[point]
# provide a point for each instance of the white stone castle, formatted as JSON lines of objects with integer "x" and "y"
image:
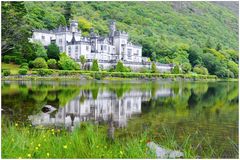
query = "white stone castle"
{"x": 107, "y": 50}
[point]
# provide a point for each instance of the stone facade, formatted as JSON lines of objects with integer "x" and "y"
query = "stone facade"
{"x": 107, "y": 50}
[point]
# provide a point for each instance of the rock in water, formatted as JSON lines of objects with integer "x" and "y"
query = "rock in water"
{"x": 164, "y": 153}
{"x": 48, "y": 109}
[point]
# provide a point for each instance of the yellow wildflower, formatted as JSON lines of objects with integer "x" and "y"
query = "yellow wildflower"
{"x": 16, "y": 124}
{"x": 52, "y": 130}
{"x": 29, "y": 155}
{"x": 65, "y": 146}
{"x": 36, "y": 148}
{"x": 48, "y": 154}
{"x": 39, "y": 145}
{"x": 121, "y": 152}
{"x": 30, "y": 125}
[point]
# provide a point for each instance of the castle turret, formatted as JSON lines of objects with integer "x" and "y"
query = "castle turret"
{"x": 112, "y": 28}
{"x": 74, "y": 26}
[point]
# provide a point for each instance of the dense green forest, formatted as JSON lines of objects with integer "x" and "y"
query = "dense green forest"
{"x": 200, "y": 37}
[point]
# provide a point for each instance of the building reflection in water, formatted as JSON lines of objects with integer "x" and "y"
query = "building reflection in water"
{"x": 107, "y": 108}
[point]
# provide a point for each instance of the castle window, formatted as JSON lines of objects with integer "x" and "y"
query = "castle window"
{"x": 87, "y": 48}
{"x": 105, "y": 47}
{"x": 129, "y": 53}
{"x": 61, "y": 48}
{"x": 76, "y": 49}
{"x": 43, "y": 37}
{"x": 60, "y": 41}
{"x": 101, "y": 47}
{"x": 69, "y": 50}
{"x": 138, "y": 53}
{"x": 108, "y": 48}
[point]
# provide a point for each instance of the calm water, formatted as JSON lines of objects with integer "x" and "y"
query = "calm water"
{"x": 208, "y": 110}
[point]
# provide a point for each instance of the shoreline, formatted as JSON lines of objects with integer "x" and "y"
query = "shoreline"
{"x": 118, "y": 76}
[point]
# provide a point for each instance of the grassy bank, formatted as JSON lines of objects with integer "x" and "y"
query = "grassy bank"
{"x": 84, "y": 142}
{"x": 80, "y": 74}
{"x": 90, "y": 141}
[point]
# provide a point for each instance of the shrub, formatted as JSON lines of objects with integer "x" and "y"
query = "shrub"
{"x": 95, "y": 65}
{"x": 40, "y": 63}
{"x": 22, "y": 71}
{"x": 18, "y": 60}
{"x": 44, "y": 72}
{"x": 6, "y": 59}
{"x": 53, "y": 51}
{"x": 24, "y": 64}
{"x": 66, "y": 63}
{"x": 30, "y": 64}
{"x": 154, "y": 68}
{"x": 120, "y": 67}
{"x": 176, "y": 70}
{"x": 200, "y": 70}
{"x": 186, "y": 67}
{"x": 6, "y": 72}
{"x": 52, "y": 63}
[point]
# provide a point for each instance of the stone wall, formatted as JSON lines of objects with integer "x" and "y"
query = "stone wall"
{"x": 133, "y": 66}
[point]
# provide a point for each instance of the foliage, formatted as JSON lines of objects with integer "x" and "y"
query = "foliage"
{"x": 121, "y": 68}
{"x": 39, "y": 50}
{"x": 22, "y": 71}
{"x": 176, "y": 69}
{"x": 40, "y": 63}
{"x": 52, "y": 64}
{"x": 153, "y": 68}
{"x": 95, "y": 65}
{"x": 15, "y": 29}
{"x": 6, "y": 72}
{"x": 66, "y": 63}
{"x": 84, "y": 25}
{"x": 200, "y": 70}
{"x": 186, "y": 67}
{"x": 82, "y": 60}
{"x": 53, "y": 51}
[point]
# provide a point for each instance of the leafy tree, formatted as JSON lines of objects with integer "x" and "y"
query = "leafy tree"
{"x": 15, "y": 29}
{"x": 186, "y": 67}
{"x": 82, "y": 60}
{"x": 68, "y": 11}
{"x": 40, "y": 63}
{"x": 176, "y": 69}
{"x": 219, "y": 47}
{"x": 53, "y": 51}
{"x": 195, "y": 54}
{"x": 84, "y": 24}
{"x": 210, "y": 43}
{"x": 52, "y": 63}
{"x": 154, "y": 57}
{"x": 39, "y": 50}
{"x": 233, "y": 67}
{"x": 95, "y": 65}
{"x": 154, "y": 68}
{"x": 66, "y": 63}
{"x": 200, "y": 70}
{"x": 120, "y": 67}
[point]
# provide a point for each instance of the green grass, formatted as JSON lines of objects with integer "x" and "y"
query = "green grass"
{"x": 12, "y": 67}
{"x": 89, "y": 141}
{"x": 85, "y": 142}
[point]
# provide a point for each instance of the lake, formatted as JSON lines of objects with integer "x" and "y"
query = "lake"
{"x": 208, "y": 111}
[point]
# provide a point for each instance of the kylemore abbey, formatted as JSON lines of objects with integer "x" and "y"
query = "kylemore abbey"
{"x": 107, "y": 50}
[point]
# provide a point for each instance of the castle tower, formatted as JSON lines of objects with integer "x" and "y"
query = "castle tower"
{"x": 73, "y": 26}
{"x": 112, "y": 28}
